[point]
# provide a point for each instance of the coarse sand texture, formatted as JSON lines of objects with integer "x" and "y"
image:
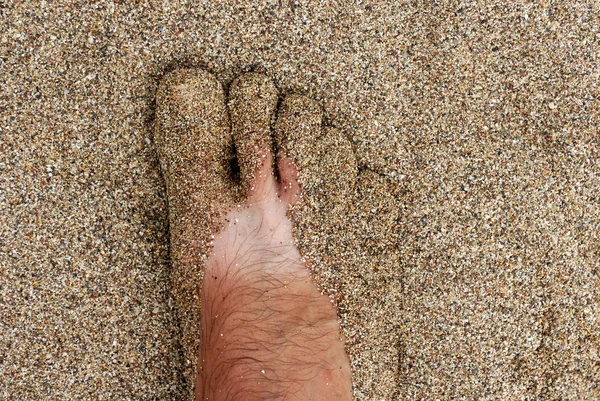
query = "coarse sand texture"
{"x": 459, "y": 238}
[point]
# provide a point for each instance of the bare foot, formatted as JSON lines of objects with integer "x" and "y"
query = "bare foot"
{"x": 266, "y": 330}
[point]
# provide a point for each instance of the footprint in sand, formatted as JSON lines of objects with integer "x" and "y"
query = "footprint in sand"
{"x": 255, "y": 326}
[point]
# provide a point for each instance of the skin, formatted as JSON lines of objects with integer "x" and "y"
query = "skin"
{"x": 267, "y": 331}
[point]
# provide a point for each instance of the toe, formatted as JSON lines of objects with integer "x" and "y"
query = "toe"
{"x": 193, "y": 138}
{"x": 262, "y": 185}
{"x": 337, "y": 170}
{"x": 297, "y": 128}
{"x": 252, "y": 103}
{"x": 195, "y": 149}
{"x": 324, "y": 158}
{"x": 289, "y": 188}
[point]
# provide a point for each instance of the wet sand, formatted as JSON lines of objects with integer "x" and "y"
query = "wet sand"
{"x": 466, "y": 268}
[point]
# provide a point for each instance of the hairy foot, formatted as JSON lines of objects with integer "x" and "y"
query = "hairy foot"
{"x": 268, "y": 333}
{"x": 266, "y": 330}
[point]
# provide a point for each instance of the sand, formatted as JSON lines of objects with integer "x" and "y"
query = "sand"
{"x": 467, "y": 266}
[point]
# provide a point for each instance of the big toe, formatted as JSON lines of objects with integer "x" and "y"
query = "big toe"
{"x": 195, "y": 149}
{"x": 193, "y": 139}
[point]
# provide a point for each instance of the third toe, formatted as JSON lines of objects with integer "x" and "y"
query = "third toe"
{"x": 297, "y": 128}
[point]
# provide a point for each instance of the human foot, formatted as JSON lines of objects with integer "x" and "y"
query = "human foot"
{"x": 267, "y": 331}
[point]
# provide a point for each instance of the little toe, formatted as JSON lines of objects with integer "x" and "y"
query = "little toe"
{"x": 252, "y": 103}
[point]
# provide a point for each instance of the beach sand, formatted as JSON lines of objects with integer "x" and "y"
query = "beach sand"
{"x": 466, "y": 268}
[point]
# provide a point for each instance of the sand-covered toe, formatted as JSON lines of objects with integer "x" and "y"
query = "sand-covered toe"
{"x": 195, "y": 147}
{"x": 297, "y": 129}
{"x": 339, "y": 170}
{"x": 192, "y": 137}
{"x": 324, "y": 158}
{"x": 252, "y": 104}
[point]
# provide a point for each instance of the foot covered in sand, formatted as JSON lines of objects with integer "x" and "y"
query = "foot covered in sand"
{"x": 266, "y": 330}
